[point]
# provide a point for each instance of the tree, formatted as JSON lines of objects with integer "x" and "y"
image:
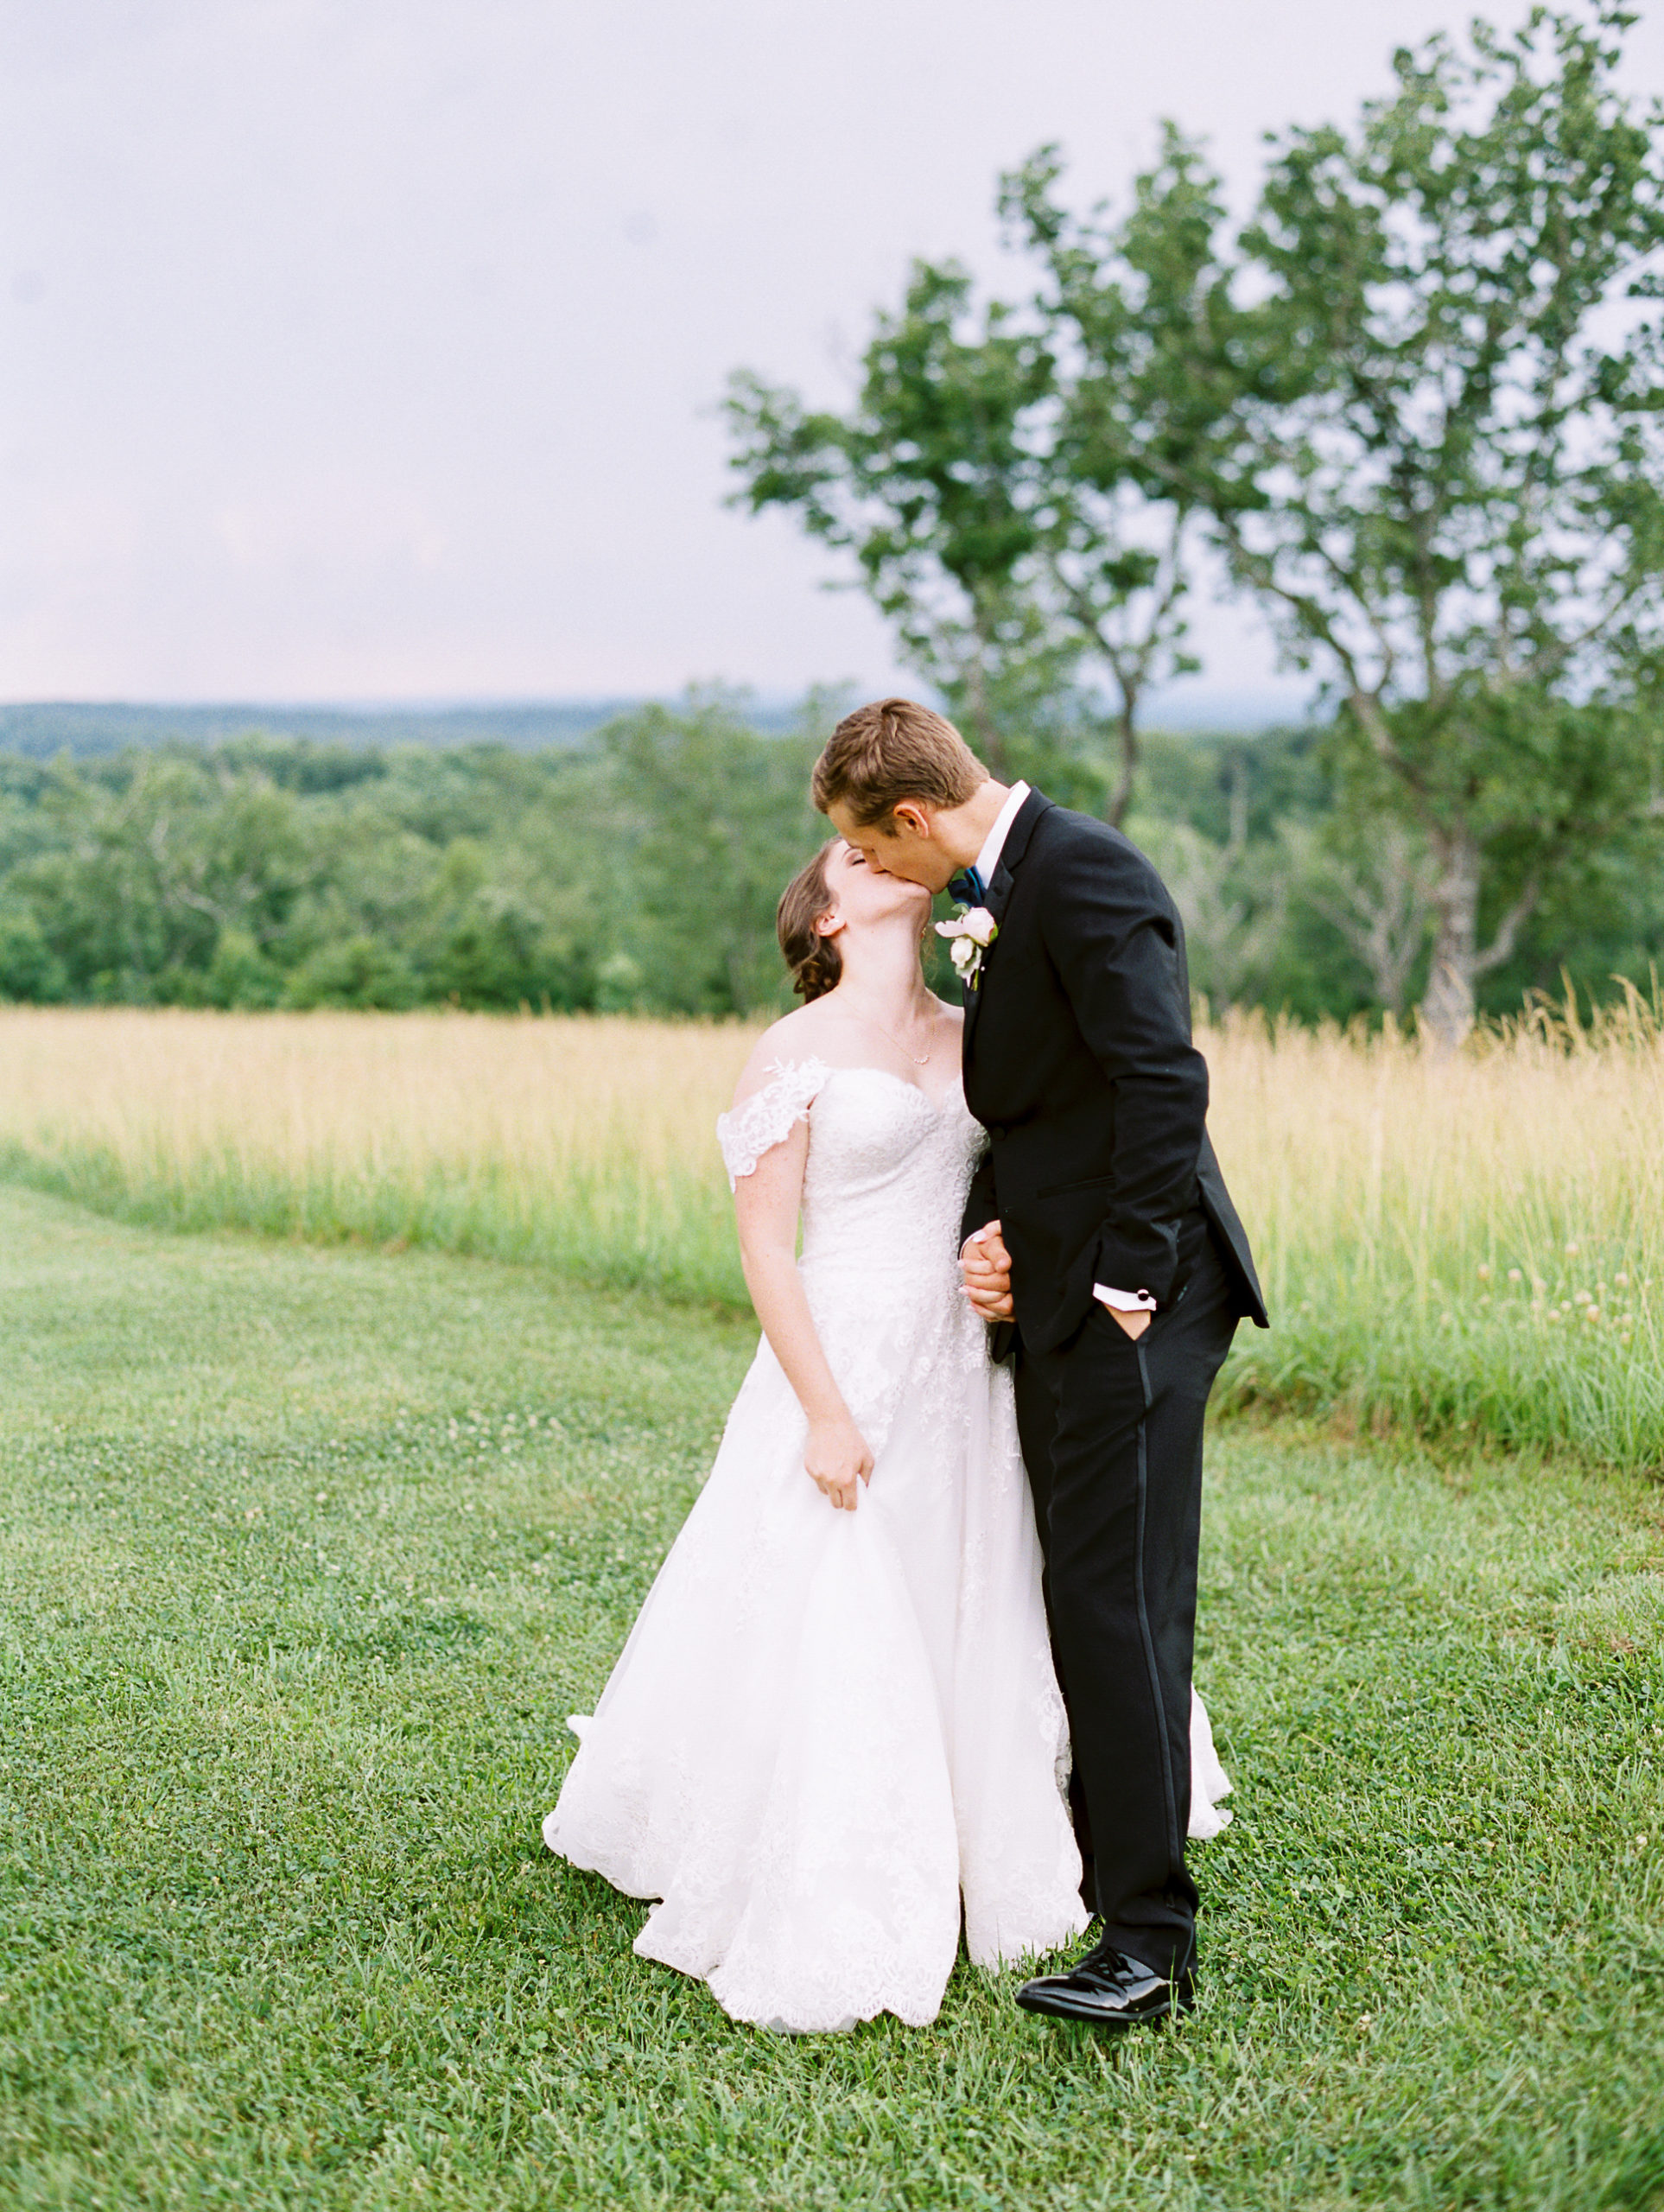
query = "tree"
{"x": 1448, "y": 486}
{"x": 933, "y": 482}
{"x": 152, "y": 865}
{"x": 1372, "y": 889}
{"x": 717, "y": 820}
{"x": 1143, "y": 393}
{"x": 991, "y": 479}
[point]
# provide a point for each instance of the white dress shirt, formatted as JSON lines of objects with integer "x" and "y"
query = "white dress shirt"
{"x": 994, "y": 843}
{"x": 1123, "y": 1301}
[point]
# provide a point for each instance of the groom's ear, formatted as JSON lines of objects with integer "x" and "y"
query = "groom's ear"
{"x": 907, "y": 819}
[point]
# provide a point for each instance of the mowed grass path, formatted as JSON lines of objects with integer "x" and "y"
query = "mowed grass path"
{"x": 308, "y": 1553}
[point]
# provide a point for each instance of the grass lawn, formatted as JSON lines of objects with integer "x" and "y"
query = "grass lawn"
{"x": 307, "y": 1555}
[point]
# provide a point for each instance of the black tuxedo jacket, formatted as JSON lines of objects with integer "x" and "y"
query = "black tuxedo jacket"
{"x": 1079, "y": 1062}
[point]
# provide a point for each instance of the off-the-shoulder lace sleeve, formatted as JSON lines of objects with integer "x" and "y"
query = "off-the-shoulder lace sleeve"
{"x": 769, "y": 1115}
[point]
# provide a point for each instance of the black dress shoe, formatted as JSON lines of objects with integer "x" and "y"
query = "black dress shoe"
{"x": 1109, "y": 1990}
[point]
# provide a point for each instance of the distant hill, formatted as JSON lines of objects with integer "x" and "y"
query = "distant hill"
{"x": 41, "y": 730}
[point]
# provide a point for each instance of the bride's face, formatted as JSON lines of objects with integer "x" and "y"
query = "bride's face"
{"x": 863, "y": 895}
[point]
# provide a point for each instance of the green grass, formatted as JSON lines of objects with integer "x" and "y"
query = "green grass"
{"x": 1452, "y": 1249}
{"x": 609, "y": 1227}
{"x": 308, "y": 1553}
{"x": 1523, "y": 1369}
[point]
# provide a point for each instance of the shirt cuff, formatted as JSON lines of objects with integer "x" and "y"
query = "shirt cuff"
{"x": 1124, "y": 1301}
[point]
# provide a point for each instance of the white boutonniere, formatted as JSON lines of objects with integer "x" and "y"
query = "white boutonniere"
{"x": 970, "y": 934}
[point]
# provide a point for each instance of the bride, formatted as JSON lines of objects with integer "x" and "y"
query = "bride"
{"x": 835, "y": 1722}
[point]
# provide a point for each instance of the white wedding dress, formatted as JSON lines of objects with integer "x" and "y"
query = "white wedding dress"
{"x": 828, "y": 1729}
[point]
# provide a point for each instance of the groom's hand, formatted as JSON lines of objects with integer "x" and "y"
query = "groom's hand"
{"x": 986, "y": 1265}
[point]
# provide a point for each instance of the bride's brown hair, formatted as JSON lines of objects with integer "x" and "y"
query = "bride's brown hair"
{"x": 814, "y": 961}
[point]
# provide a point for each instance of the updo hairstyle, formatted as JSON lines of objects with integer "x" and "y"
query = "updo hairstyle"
{"x": 814, "y": 961}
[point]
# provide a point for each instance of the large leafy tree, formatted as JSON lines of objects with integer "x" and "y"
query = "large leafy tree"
{"x": 1138, "y": 319}
{"x": 991, "y": 479}
{"x": 1450, "y": 483}
{"x": 934, "y": 481}
{"x": 1419, "y": 403}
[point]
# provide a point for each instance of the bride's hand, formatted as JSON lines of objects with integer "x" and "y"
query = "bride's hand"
{"x": 837, "y": 1460}
{"x": 986, "y": 1265}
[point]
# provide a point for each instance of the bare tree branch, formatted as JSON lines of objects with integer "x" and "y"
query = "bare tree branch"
{"x": 1500, "y": 947}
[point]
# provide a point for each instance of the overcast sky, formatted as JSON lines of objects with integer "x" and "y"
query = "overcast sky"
{"x": 365, "y": 349}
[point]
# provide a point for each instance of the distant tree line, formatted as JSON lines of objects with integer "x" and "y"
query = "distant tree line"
{"x": 278, "y": 872}
{"x": 1412, "y": 407}
{"x": 641, "y": 869}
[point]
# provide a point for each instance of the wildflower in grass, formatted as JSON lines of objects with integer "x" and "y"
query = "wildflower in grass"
{"x": 1484, "y": 1271}
{"x": 1513, "y": 1275}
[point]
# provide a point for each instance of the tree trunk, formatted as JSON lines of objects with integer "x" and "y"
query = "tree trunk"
{"x": 1447, "y": 1004}
{"x": 1117, "y": 801}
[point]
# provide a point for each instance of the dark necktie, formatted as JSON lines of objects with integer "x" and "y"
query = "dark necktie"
{"x": 969, "y": 887}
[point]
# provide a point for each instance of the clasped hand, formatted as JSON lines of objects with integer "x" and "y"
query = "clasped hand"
{"x": 986, "y": 1265}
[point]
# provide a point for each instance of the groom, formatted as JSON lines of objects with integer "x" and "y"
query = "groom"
{"x": 1100, "y": 1240}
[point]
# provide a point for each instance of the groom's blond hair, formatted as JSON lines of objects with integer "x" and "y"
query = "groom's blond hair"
{"x": 890, "y": 750}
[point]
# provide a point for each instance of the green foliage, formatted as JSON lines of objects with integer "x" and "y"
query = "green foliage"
{"x": 722, "y": 820}
{"x": 1429, "y": 386}
{"x": 933, "y": 482}
{"x": 641, "y": 874}
{"x": 1416, "y": 403}
{"x": 641, "y": 871}
{"x": 310, "y": 1556}
{"x": 997, "y": 508}
{"x": 1460, "y": 509}
{"x": 29, "y": 970}
{"x": 354, "y": 971}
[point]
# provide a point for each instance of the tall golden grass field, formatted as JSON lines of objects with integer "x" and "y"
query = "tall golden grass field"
{"x": 1469, "y": 1246}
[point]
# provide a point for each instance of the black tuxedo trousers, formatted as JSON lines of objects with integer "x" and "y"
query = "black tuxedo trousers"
{"x": 1111, "y": 1431}
{"x": 1080, "y": 1065}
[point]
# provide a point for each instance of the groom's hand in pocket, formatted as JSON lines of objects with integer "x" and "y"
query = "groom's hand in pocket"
{"x": 986, "y": 1265}
{"x": 837, "y": 1460}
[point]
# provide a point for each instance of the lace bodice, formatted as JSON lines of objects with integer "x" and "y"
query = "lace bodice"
{"x": 884, "y": 1188}
{"x": 887, "y": 1170}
